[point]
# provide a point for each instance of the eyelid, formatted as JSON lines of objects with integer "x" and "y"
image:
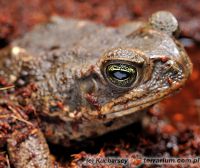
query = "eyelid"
{"x": 126, "y": 54}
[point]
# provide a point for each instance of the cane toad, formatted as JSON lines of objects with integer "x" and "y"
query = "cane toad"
{"x": 91, "y": 79}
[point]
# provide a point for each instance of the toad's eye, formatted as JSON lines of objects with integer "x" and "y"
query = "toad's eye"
{"x": 121, "y": 75}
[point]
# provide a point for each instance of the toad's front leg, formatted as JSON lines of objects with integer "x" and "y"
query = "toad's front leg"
{"x": 22, "y": 142}
{"x": 28, "y": 149}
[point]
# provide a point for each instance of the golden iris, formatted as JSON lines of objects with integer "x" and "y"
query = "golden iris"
{"x": 122, "y": 75}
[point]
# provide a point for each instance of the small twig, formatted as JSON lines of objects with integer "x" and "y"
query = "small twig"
{"x": 8, "y": 162}
{"x": 7, "y": 87}
{"x": 4, "y": 116}
{"x": 17, "y": 118}
{"x": 2, "y": 152}
{"x": 14, "y": 111}
{"x": 22, "y": 120}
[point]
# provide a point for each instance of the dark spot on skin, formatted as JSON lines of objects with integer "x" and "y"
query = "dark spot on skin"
{"x": 54, "y": 47}
{"x": 100, "y": 116}
{"x": 108, "y": 124}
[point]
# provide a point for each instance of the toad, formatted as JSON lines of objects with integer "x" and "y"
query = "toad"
{"x": 88, "y": 80}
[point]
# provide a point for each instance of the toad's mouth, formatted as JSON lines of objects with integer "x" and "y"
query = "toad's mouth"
{"x": 130, "y": 109}
{"x": 142, "y": 103}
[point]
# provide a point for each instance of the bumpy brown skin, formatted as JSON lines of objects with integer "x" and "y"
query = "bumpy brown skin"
{"x": 75, "y": 99}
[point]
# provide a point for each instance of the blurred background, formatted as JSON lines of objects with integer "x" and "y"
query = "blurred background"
{"x": 177, "y": 117}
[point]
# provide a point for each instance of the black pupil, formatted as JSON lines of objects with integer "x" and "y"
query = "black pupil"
{"x": 121, "y": 75}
